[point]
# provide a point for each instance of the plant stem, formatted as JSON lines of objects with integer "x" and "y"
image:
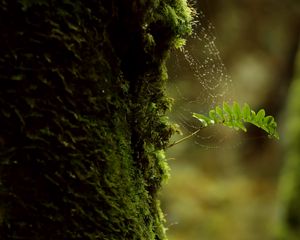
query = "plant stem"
{"x": 183, "y": 139}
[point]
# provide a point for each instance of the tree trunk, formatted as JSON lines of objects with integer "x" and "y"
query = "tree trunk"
{"x": 82, "y": 116}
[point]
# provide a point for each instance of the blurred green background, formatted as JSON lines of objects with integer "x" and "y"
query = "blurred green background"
{"x": 226, "y": 185}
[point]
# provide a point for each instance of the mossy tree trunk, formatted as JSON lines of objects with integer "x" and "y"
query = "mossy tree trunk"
{"x": 83, "y": 123}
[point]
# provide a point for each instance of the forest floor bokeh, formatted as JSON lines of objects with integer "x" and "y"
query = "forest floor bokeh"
{"x": 212, "y": 196}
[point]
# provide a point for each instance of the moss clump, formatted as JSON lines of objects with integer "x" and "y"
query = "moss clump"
{"x": 82, "y": 116}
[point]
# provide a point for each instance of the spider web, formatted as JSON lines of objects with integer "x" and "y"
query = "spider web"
{"x": 198, "y": 81}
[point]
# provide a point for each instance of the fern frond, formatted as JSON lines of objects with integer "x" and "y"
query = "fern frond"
{"x": 235, "y": 116}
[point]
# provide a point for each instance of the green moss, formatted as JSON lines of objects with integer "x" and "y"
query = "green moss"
{"x": 83, "y": 123}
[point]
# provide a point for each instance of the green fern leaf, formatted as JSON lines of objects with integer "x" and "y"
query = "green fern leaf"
{"x": 203, "y": 119}
{"x": 260, "y": 116}
{"x": 246, "y": 111}
{"x": 235, "y": 116}
{"x": 220, "y": 114}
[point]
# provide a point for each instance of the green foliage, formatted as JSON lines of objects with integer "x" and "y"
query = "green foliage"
{"x": 83, "y": 128}
{"x": 235, "y": 116}
{"x": 29, "y": 3}
{"x": 289, "y": 185}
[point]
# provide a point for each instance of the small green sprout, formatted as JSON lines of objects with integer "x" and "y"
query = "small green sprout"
{"x": 235, "y": 116}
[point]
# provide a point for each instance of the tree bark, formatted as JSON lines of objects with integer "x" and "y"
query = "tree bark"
{"x": 83, "y": 123}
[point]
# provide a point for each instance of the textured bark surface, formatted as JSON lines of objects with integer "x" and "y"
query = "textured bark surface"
{"x": 82, "y": 116}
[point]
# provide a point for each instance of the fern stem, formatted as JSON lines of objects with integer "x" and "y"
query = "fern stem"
{"x": 184, "y": 138}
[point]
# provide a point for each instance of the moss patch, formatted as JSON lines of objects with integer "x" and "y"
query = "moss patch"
{"x": 83, "y": 123}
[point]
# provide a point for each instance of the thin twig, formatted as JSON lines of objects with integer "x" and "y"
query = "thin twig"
{"x": 184, "y": 138}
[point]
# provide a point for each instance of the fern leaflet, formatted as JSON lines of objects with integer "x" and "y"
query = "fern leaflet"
{"x": 235, "y": 116}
